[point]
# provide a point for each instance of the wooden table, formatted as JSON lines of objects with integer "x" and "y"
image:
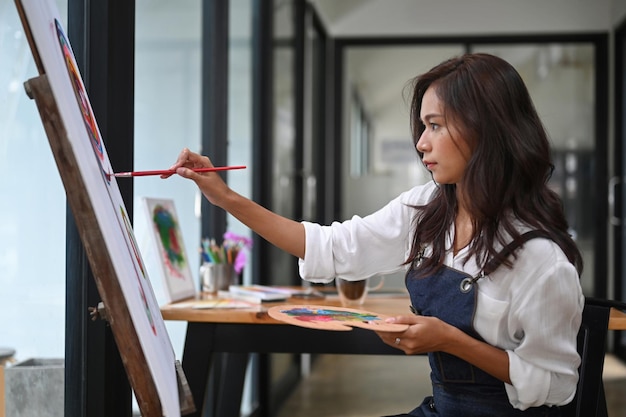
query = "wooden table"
{"x": 235, "y": 333}
{"x": 617, "y": 320}
{"x": 230, "y": 335}
{"x": 387, "y": 304}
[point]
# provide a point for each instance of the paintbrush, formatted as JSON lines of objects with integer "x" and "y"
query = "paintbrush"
{"x": 171, "y": 171}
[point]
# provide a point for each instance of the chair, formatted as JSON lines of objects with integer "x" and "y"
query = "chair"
{"x": 589, "y": 400}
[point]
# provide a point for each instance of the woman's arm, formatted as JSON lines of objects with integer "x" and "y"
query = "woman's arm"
{"x": 429, "y": 334}
{"x": 284, "y": 233}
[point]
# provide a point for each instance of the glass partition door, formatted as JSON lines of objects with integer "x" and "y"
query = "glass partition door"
{"x": 567, "y": 87}
{"x": 561, "y": 79}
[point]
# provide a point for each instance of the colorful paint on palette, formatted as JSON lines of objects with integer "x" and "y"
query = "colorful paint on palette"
{"x": 328, "y": 314}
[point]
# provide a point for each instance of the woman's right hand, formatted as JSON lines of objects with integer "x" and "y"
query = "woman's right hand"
{"x": 210, "y": 183}
{"x": 284, "y": 233}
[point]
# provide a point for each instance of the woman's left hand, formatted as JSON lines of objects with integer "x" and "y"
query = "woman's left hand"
{"x": 430, "y": 334}
{"x": 425, "y": 334}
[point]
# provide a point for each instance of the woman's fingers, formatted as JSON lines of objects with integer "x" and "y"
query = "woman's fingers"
{"x": 186, "y": 161}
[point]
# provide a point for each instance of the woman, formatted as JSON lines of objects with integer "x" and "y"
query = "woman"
{"x": 492, "y": 273}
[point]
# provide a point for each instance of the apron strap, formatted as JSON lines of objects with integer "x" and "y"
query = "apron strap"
{"x": 494, "y": 263}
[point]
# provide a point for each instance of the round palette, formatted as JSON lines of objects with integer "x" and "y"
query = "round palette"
{"x": 333, "y": 318}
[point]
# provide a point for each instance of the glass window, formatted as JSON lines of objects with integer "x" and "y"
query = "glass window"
{"x": 167, "y": 119}
{"x": 359, "y": 137}
{"x": 561, "y": 80}
{"x": 32, "y": 208}
{"x": 240, "y": 108}
{"x": 379, "y": 159}
{"x": 168, "y": 79}
{"x": 168, "y": 101}
{"x": 284, "y": 175}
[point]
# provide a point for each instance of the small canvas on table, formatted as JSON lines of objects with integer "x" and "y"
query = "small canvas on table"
{"x": 169, "y": 242}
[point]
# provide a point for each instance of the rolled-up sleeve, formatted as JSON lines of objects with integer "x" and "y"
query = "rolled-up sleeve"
{"x": 545, "y": 321}
{"x": 362, "y": 246}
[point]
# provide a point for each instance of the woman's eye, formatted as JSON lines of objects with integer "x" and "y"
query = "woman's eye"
{"x": 434, "y": 126}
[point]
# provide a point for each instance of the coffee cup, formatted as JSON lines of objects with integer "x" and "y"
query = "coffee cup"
{"x": 352, "y": 293}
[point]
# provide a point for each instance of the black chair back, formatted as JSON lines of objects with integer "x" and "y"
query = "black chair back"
{"x": 589, "y": 400}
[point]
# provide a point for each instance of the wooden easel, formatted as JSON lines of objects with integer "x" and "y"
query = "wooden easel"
{"x": 105, "y": 276}
{"x": 101, "y": 264}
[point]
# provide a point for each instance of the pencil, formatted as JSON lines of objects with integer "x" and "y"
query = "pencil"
{"x": 171, "y": 171}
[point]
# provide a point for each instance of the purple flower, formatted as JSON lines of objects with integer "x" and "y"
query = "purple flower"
{"x": 238, "y": 245}
{"x": 236, "y": 239}
{"x": 240, "y": 261}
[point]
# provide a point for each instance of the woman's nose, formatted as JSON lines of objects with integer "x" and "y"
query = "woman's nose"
{"x": 421, "y": 144}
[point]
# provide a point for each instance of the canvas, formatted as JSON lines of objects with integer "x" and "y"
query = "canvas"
{"x": 168, "y": 241}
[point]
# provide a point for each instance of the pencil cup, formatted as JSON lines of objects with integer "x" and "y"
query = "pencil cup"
{"x": 216, "y": 277}
{"x": 353, "y": 293}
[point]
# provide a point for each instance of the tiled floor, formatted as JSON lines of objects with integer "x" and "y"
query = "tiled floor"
{"x": 374, "y": 386}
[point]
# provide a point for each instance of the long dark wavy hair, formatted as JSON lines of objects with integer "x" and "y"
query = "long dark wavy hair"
{"x": 507, "y": 173}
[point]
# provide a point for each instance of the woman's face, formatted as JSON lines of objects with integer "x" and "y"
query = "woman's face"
{"x": 445, "y": 152}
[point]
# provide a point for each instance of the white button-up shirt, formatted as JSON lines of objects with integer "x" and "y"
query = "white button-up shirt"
{"x": 532, "y": 311}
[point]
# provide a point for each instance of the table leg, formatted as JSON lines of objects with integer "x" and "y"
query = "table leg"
{"x": 602, "y": 408}
{"x": 216, "y": 380}
{"x": 228, "y": 393}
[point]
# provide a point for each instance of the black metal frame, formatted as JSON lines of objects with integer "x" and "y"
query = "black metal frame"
{"x": 96, "y": 382}
{"x": 619, "y": 342}
{"x": 214, "y": 102}
{"x": 262, "y": 126}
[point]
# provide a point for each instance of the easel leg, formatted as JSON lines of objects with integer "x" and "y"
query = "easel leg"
{"x": 197, "y": 357}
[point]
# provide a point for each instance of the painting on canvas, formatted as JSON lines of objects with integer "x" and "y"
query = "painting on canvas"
{"x": 170, "y": 245}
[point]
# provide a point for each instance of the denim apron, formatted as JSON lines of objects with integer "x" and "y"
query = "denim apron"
{"x": 459, "y": 388}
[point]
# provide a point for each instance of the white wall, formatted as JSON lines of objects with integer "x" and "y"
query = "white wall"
{"x": 453, "y": 17}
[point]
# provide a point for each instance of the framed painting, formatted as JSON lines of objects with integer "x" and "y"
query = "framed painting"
{"x": 168, "y": 241}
